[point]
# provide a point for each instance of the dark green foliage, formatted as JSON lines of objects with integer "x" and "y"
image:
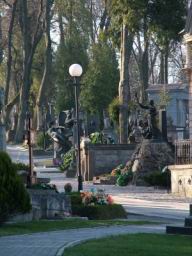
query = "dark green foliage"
{"x": 100, "y": 83}
{"x": 100, "y": 212}
{"x": 96, "y": 138}
{"x": 75, "y": 198}
{"x": 13, "y": 195}
{"x": 100, "y": 138}
{"x": 166, "y": 18}
{"x": 68, "y": 187}
{"x": 125, "y": 178}
{"x": 74, "y": 50}
{"x": 114, "y": 110}
{"x": 20, "y": 166}
{"x": 117, "y": 170}
{"x": 67, "y": 159}
{"x": 40, "y": 140}
{"x": 158, "y": 179}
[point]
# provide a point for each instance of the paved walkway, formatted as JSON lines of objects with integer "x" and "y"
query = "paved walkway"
{"x": 138, "y": 200}
{"x": 49, "y": 243}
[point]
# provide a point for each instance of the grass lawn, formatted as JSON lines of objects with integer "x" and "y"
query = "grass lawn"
{"x": 46, "y": 225}
{"x": 135, "y": 245}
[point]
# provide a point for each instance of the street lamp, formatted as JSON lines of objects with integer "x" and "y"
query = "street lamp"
{"x": 76, "y": 71}
{"x": 29, "y": 142}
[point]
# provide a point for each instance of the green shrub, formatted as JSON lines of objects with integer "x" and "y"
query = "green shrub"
{"x": 125, "y": 178}
{"x": 40, "y": 140}
{"x": 96, "y": 138}
{"x": 75, "y": 198}
{"x": 99, "y": 212}
{"x": 117, "y": 170}
{"x": 113, "y": 109}
{"x": 158, "y": 179}
{"x": 20, "y": 166}
{"x": 67, "y": 159}
{"x": 13, "y": 195}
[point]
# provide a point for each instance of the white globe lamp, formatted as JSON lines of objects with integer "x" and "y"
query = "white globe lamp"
{"x": 75, "y": 70}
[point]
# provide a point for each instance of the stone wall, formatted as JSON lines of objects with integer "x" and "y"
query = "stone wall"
{"x": 47, "y": 204}
{"x": 181, "y": 179}
{"x": 100, "y": 159}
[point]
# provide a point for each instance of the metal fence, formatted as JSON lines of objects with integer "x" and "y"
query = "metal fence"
{"x": 183, "y": 152}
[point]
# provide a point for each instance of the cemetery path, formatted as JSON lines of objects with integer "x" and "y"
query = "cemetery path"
{"x": 21, "y": 154}
{"x": 53, "y": 243}
{"x": 138, "y": 200}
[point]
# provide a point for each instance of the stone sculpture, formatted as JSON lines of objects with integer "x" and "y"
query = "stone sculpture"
{"x": 152, "y": 125}
{"x": 61, "y": 134}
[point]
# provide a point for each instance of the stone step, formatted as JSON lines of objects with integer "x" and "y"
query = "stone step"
{"x": 179, "y": 230}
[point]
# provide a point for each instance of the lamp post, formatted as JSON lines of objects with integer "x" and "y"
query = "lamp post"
{"x": 29, "y": 142}
{"x": 76, "y": 71}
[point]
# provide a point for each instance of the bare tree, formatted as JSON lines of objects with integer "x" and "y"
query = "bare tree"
{"x": 46, "y": 80}
{"x": 32, "y": 30}
{"x": 124, "y": 88}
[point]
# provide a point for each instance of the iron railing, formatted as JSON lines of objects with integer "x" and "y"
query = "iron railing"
{"x": 183, "y": 152}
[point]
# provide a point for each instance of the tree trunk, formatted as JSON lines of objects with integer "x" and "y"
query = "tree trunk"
{"x": 9, "y": 58}
{"x": 61, "y": 29}
{"x": 1, "y": 39}
{"x": 46, "y": 80}
{"x": 30, "y": 42}
{"x": 166, "y": 63}
{"x": 145, "y": 64}
{"x": 24, "y": 100}
{"x": 124, "y": 89}
{"x": 162, "y": 69}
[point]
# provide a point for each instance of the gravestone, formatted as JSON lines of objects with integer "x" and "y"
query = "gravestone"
{"x": 186, "y": 230}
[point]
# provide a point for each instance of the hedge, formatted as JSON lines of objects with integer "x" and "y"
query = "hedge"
{"x": 100, "y": 212}
{"x": 13, "y": 195}
{"x": 158, "y": 179}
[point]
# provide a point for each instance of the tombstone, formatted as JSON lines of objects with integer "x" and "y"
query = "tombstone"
{"x": 61, "y": 118}
{"x": 108, "y": 131}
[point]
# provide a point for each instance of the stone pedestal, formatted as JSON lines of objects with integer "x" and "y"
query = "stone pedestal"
{"x": 181, "y": 179}
{"x": 99, "y": 159}
{"x": 186, "y": 230}
{"x": 152, "y": 155}
{"x": 2, "y": 137}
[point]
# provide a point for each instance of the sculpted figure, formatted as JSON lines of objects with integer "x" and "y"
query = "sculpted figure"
{"x": 152, "y": 116}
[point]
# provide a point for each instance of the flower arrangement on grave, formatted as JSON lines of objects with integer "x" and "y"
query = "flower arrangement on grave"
{"x": 123, "y": 173}
{"x": 96, "y": 198}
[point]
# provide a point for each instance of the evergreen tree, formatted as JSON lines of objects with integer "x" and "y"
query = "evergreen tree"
{"x": 73, "y": 50}
{"x": 100, "y": 83}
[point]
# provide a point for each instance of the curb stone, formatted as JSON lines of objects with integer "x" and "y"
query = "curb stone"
{"x": 61, "y": 251}
{"x": 69, "y": 245}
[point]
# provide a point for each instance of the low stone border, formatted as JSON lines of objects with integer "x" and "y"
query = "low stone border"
{"x": 72, "y": 244}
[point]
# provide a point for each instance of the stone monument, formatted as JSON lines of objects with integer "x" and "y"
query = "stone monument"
{"x": 186, "y": 230}
{"x": 153, "y": 153}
